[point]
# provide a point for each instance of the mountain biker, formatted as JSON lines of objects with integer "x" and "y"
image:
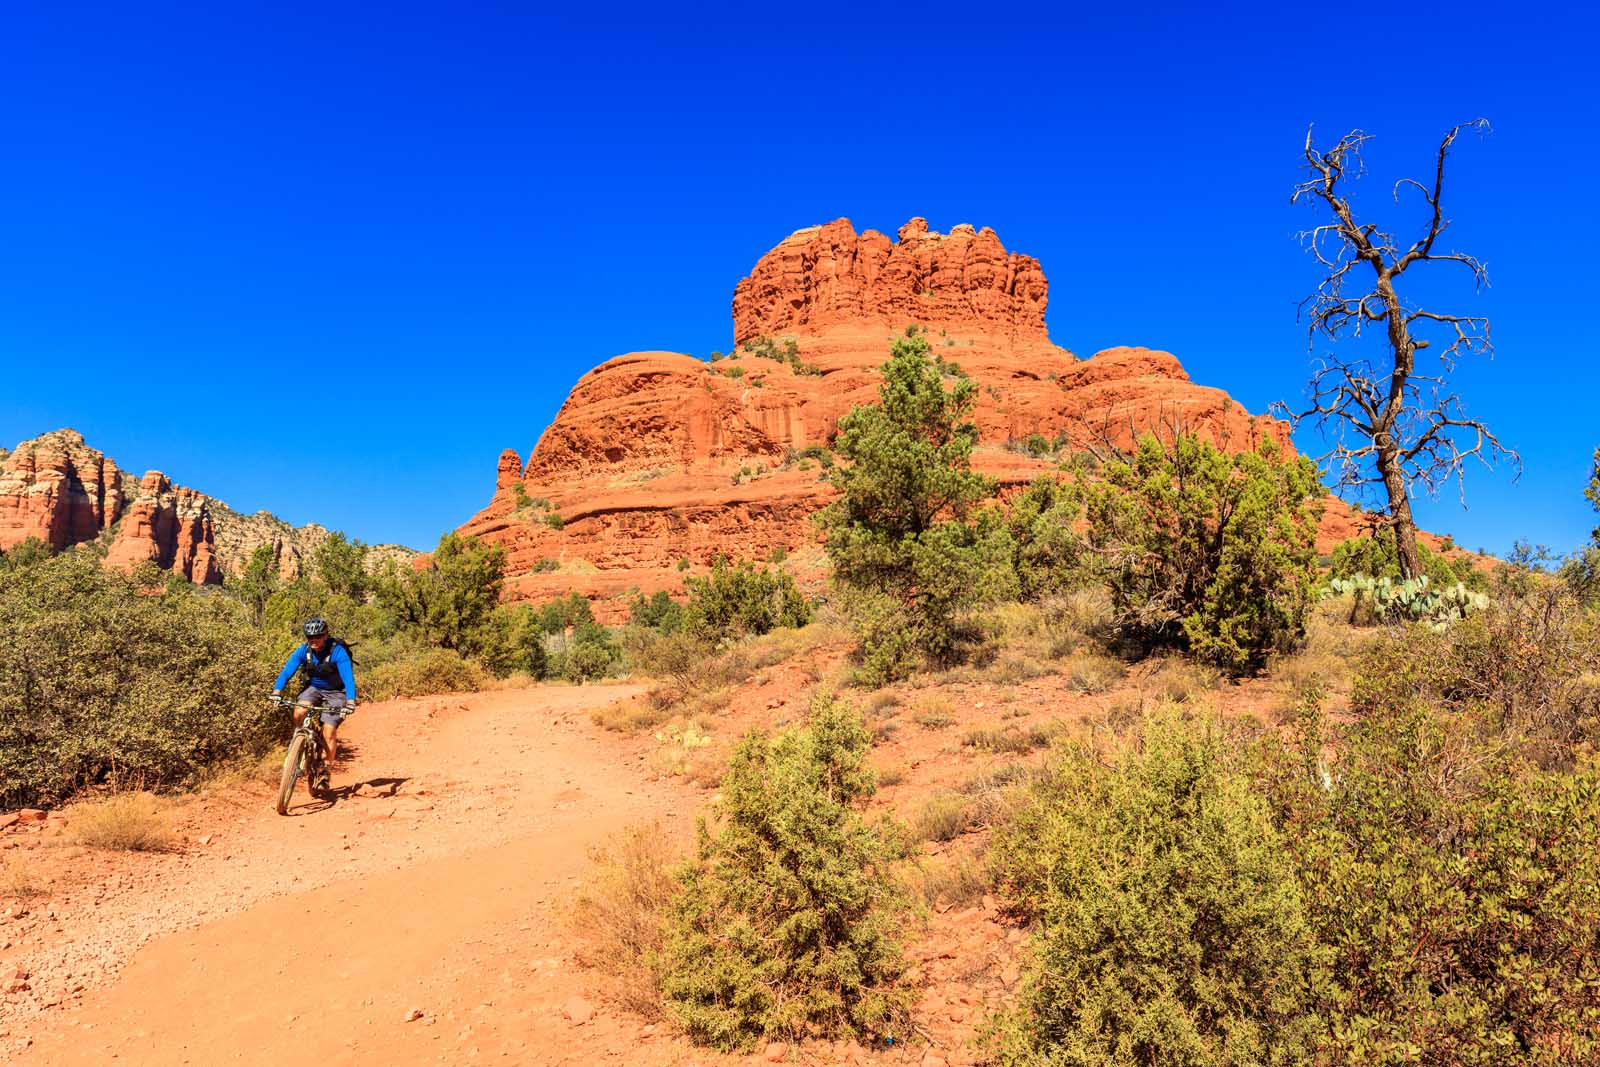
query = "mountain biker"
{"x": 326, "y": 663}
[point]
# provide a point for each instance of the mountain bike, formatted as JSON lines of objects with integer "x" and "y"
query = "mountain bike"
{"x": 307, "y": 755}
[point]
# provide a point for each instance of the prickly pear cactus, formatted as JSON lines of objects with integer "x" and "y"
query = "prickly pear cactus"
{"x": 1416, "y": 600}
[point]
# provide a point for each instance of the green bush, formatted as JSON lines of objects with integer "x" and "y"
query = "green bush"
{"x": 906, "y": 549}
{"x": 102, "y": 683}
{"x": 1050, "y": 552}
{"x": 423, "y": 673}
{"x": 787, "y": 922}
{"x": 511, "y": 641}
{"x": 1209, "y": 550}
{"x": 737, "y": 600}
{"x": 447, "y": 601}
{"x": 1456, "y": 885}
{"x": 587, "y": 653}
{"x": 1173, "y": 930}
{"x": 660, "y": 612}
{"x": 1377, "y": 557}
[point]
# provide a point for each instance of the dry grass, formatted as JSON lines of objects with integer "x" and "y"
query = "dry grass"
{"x": 126, "y": 822}
{"x": 933, "y": 713}
{"x": 686, "y": 751}
{"x": 953, "y": 880}
{"x": 1325, "y": 664}
{"x": 21, "y": 880}
{"x": 942, "y": 817}
{"x": 1092, "y": 672}
{"x": 890, "y": 775}
{"x": 1178, "y": 681}
{"x": 621, "y": 912}
{"x": 1011, "y": 738}
{"x": 636, "y": 715}
{"x": 882, "y": 703}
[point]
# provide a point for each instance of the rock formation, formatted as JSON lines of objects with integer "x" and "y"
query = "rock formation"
{"x": 659, "y": 460}
{"x": 58, "y": 489}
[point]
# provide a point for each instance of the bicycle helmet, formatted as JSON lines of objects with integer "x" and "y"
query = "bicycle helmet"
{"x": 316, "y": 627}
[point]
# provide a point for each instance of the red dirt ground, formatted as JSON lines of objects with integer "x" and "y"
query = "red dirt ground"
{"x": 422, "y": 917}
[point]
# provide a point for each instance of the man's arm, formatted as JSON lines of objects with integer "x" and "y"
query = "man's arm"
{"x": 347, "y": 675}
{"x": 289, "y": 668}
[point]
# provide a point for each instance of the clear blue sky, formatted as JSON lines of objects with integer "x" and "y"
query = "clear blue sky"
{"x": 330, "y": 259}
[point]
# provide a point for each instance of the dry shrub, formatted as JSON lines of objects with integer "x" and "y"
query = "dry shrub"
{"x": 125, "y": 822}
{"x": 1179, "y": 681}
{"x": 890, "y": 775}
{"x": 882, "y": 703}
{"x": 1083, "y": 616}
{"x": 953, "y": 880}
{"x": 619, "y": 914}
{"x": 933, "y": 713}
{"x": 1092, "y": 672}
{"x": 633, "y": 716}
{"x": 1011, "y": 738}
{"x": 686, "y": 751}
{"x": 1015, "y": 667}
{"x": 21, "y": 880}
{"x": 943, "y": 817}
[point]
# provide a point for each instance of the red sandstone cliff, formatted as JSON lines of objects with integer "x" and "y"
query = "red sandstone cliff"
{"x": 58, "y": 489}
{"x": 658, "y": 458}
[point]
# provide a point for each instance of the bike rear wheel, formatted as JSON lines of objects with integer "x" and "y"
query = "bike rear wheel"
{"x": 291, "y": 770}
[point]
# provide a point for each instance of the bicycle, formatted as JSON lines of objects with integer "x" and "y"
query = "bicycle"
{"x": 307, "y": 755}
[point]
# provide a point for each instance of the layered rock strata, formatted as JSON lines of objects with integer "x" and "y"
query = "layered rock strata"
{"x": 659, "y": 461}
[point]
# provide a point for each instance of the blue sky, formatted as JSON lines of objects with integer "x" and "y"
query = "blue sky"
{"x": 329, "y": 259}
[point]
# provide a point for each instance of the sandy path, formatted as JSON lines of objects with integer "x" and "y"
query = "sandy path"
{"x": 434, "y": 884}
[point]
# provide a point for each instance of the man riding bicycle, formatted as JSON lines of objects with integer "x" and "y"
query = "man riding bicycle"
{"x": 326, "y": 663}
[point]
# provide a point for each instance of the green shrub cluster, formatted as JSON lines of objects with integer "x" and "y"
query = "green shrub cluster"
{"x": 1455, "y": 885}
{"x": 739, "y": 600}
{"x": 1207, "y": 550}
{"x": 1418, "y": 885}
{"x": 1377, "y": 557}
{"x": 787, "y": 922}
{"x": 786, "y": 352}
{"x": 1173, "y": 930}
{"x": 908, "y": 550}
{"x": 104, "y": 682}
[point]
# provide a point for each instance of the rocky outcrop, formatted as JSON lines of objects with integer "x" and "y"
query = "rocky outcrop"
{"x": 658, "y": 461}
{"x": 169, "y": 526}
{"x": 829, "y": 275}
{"x": 58, "y": 489}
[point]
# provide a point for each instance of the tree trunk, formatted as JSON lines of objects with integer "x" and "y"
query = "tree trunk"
{"x": 1405, "y": 527}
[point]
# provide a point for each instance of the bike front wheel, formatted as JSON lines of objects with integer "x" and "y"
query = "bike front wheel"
{"x": 291, "y": 770}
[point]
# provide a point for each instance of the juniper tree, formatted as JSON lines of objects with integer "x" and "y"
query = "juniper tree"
{"x": 905, "y": 541}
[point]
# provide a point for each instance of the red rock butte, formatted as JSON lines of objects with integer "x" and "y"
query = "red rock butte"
{"x": 659, "y": 461}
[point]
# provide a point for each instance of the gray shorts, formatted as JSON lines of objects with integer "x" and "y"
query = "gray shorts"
{"x": 332, "y": 703}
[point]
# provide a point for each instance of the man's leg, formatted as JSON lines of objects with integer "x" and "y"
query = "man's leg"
{"x": 308, "y": 696}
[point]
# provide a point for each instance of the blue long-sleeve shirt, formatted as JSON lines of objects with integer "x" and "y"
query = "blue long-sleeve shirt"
{"x": 304, "y": 657}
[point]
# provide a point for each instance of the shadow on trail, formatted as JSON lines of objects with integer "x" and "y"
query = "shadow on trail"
{"x": 382, "y": 788}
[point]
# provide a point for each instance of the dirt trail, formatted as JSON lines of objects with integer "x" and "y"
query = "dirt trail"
{"x": 434, "y": 883}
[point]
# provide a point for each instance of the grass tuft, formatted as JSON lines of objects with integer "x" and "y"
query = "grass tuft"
{"x": 126, "y": 822}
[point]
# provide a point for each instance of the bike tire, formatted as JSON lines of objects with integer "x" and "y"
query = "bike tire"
{"x": 291, "y": 770}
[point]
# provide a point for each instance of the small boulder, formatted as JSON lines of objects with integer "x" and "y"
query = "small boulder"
{"x": 777, "y": 1052}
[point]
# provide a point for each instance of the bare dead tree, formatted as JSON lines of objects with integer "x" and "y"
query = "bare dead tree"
{"x": 1392, "y": 423}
